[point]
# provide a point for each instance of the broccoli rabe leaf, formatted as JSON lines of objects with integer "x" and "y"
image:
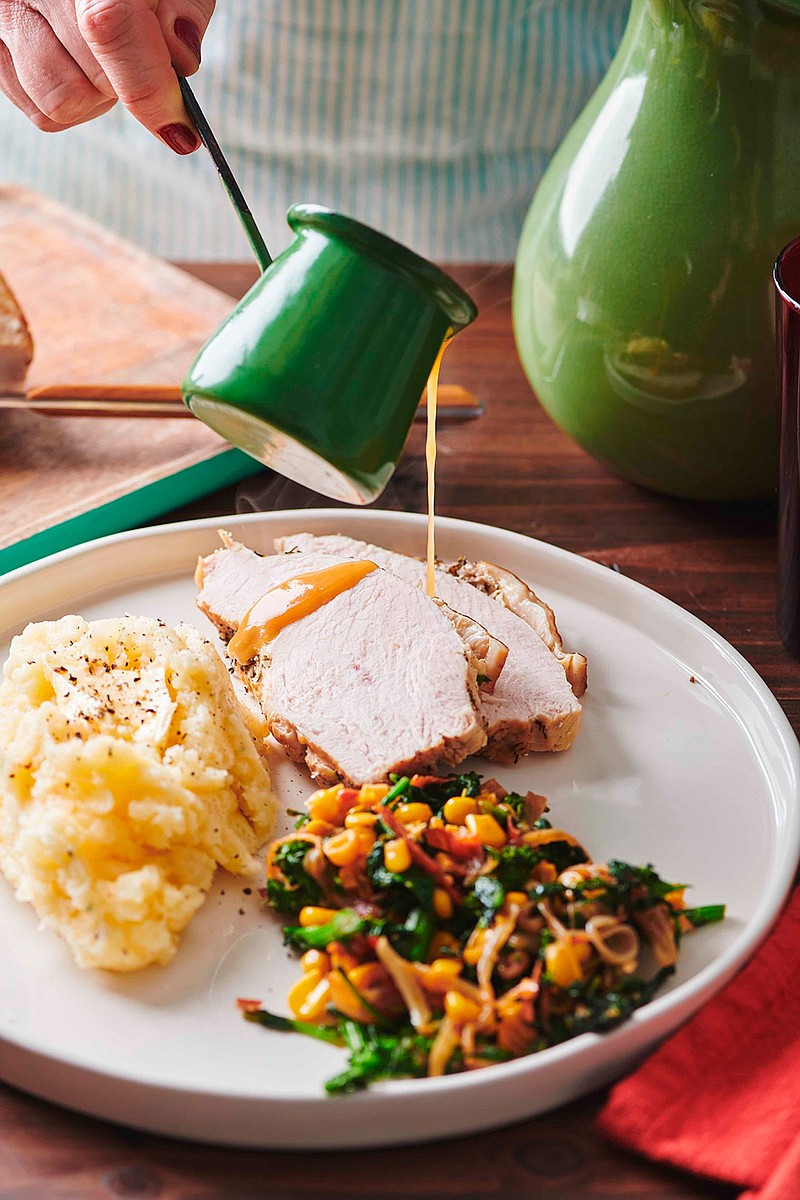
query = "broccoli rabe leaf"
{"x": 645, "y": 882}
{"x": 514, "y": 865}
{"x": 516, "y": 803}
{"x": 562, "y": 855}
{"x": 412, "y": 887}
{"x": 492, "y": 1053}
{"x": 300, "y": 889}
{"x": 346, "y": 924}
{"x": 597, "y": 1009}
{"x": 375, "y": 1054}
{"x": 437, "y": 794}
{"x": 707, "y": 914}
{"x": 399, "y": 789}
{"x": 412, "y": 939}
{"x": 323, "y": 1033}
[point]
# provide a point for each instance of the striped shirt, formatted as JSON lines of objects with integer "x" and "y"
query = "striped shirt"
{"x": 429, "y": 119}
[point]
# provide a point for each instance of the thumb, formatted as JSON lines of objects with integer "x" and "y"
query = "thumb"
{"x": 128, "y": 42}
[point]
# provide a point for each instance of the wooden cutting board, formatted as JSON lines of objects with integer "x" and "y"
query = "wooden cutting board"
{"x": 100, "y": 311}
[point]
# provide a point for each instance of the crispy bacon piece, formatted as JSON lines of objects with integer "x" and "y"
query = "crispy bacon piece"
{"x": 247, "y": 1005}
{"x": 457, "y": 847}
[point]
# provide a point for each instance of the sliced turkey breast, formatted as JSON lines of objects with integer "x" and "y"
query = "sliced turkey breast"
{"x": 510, "y": 590}
{"x": 377, "y": 680}
{"x": 532, "y": 706}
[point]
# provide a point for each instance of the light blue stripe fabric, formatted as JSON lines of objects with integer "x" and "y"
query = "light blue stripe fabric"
{"x": 430, "y": 119}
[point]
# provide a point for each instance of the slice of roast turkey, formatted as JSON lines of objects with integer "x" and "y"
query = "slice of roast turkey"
{"x": 532, "y": 707}
{"x": 376, "y": 681}
{"x": 510, "y": 590}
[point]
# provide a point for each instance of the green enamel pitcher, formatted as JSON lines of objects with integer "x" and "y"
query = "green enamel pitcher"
{"x": 318, "y": 371}
{"x": 642, "y": 294}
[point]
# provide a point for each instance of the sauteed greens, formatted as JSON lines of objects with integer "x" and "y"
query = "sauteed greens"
{"x": 445, "y": 925}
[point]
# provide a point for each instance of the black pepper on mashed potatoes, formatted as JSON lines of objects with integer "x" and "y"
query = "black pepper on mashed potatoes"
{"x": 127, "y": 775}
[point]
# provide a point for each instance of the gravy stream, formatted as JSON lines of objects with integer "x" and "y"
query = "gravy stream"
{"x": 290, "y": 601}
{"x": 430, "y": 459}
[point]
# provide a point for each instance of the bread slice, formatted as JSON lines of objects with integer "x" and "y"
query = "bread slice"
{"x": 16, "y": 343}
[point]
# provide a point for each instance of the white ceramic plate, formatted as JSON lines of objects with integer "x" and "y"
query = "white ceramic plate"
{"x": 684, "y": 759}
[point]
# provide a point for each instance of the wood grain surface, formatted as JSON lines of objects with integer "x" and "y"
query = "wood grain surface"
{"x": 514, "y": 469}
{"x": 100, "y": 311}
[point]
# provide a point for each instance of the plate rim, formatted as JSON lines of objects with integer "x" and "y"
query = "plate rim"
{"x": 706, "y": 982}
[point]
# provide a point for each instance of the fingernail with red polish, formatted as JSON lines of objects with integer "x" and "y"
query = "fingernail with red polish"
{"x": 179, "y": 138}
{"x": 188, "y": 33}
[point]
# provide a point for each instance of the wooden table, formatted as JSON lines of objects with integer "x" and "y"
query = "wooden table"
{"x": 515, "y": 469}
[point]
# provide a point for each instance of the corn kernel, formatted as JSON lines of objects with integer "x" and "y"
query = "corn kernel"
{"x": 583, "y": 950}
{"x": 321, "y": 828}
{"x": 355, "y": 819}
{"x": 309, "y": 997}
{"x": 484, "y": 826}
{"x": 316, "y": 960}
{"x": 372, "y": 793}
{"x": 328, "y": 805}
{"x": 441, "y": 942}
{"x": 562, "y": 963}
{"x": 345, "y": 848}
{"x": 442, "y": 904}
{"x": 445, "y": 968}
{"x": 458, "y": 808}
{"x": 366, "y": 838}
{"x": 396, "y": 856}
{"x": 370, "y": 982}
{"x": 409, "y": 813}
{"x": 459, "y": 1008}
{"x": 312, "y": 915}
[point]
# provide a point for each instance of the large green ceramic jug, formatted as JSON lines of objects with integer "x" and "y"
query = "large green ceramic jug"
{"x": 642, "y": 293}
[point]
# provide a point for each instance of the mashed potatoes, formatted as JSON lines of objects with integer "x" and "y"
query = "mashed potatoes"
{"x": 126, "y": 775}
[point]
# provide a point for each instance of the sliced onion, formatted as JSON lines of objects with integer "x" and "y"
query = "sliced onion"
{"x": 405, "y": 980}
{"x": 444, "y": 1044}
{"x": 494, "y": 940}
{"x": 656, "y": 925}
{"x": 615, "y": 942}
{"x": 554, "y": 925}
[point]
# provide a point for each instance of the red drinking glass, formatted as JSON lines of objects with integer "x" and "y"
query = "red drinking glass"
{"x": 787, "y": 304}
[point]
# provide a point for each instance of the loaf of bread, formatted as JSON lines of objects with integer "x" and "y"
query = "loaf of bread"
{"x": 16, "y": 343}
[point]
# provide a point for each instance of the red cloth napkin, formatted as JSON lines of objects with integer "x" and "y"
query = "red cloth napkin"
{"x": 722, "y": 1096}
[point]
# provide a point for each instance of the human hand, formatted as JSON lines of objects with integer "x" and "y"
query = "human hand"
{"x": 64, "y": 62}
